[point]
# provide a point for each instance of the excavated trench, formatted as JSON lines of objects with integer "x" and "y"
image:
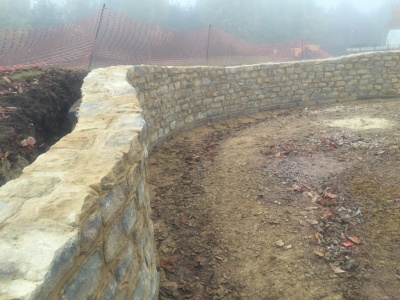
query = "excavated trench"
{"x": 35, "y": 104}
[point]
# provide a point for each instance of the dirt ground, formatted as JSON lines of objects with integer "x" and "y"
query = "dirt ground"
{"x": 294, "y": 204}
{"x": 34, "y": 108}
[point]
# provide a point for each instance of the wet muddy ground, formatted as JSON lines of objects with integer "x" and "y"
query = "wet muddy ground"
{"x": 294, "y": 204}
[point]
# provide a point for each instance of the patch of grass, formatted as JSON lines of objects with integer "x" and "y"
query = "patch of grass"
{"x": 25, "y": 75}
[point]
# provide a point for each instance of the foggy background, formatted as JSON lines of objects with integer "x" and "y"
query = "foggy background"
{"x": 333, "y": 24}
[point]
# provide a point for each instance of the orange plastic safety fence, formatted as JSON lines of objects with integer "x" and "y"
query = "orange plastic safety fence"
{"x": 123, "y": 40}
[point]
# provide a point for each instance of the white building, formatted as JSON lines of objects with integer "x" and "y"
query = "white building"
{"x": 393, "y": 39}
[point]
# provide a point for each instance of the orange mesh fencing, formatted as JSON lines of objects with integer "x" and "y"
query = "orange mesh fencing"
{"x": 123, "y": 40}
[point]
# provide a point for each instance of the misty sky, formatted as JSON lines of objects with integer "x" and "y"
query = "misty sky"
{"x": 362, "y": 5}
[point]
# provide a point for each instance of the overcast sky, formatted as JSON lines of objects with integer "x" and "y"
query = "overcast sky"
{"x": 363, "y": 5}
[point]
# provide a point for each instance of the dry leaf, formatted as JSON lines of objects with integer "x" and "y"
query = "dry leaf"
{"x": 323, "y": 139}
{"x": 327, "y": 215}
{"x": 296, "y": 187}
{"x": 303, "y": 223}
{"x": 327, "y": 202}
{"x": 330, "y": 195}
{"x": 312, "y": 195}
{"x": 348, "y": 244}
{"x": 6, "y": 79}
{"x": 168, "y": 263}
{"x": 200, "y": 261}
{"x": 336, "y": 270}
{"x": 184, "y": 218}
{"x": 274, "y": 223}
{"x": 318, "y": 236}
{"x": 312, "y": 208}
{"x": 319, "y": 253}
{"x": 289, "y": 147}
{"x": 7, "y": 154}
{"x": 29, "y": 141}
{"x": 355, "y": 240}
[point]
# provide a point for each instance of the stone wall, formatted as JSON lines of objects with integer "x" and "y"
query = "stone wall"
{"x": 76, "y": 224}
{"x": 175, "y": 98}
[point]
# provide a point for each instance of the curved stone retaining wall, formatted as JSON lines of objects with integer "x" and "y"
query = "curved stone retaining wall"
{"x": 175, "y": 98}
{"x": 76, "y": 224}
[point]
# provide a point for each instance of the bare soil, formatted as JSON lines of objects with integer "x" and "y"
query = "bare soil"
{"x": 34, "y": 104}
{"x": 294, "y": 204}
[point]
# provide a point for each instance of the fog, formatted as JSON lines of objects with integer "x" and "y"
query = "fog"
{"x": 333, "y": 24}
{"x": 360, "y": 5}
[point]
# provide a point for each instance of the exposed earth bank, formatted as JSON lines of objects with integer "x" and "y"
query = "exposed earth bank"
{"x": 295, "y": 204}
{"x": 34, "y": 104}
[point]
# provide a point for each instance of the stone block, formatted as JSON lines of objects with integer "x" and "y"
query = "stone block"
{"x": 76, "y": 141}
{"x": 90, "y": 232}
{"x": 307, "y": 103}
{"x": 148, "y": 252}
{"x": 109, "y": 290}
{"x": 141, "y": 192}
{"x": 63, "y": 261}
{"x": 154, "y": 285}
{"x": 87, "y": 280}
{"x": 23, "y": 188}
{"x": 123, "y": 294}
{"x": 189, "y": 119}
{"x": 251, "y": 82}
{"x": 8, "y": 208}
{"x": 129, "y": 217}
{"x": 111, "y": 204}
{"x": 390, "y": 63}
{"x": 350, "y": 89}
{"x": 141, "y": 287}
{"x": 206, "y": 81}
{"x": 121, "y": 140}
{"x": 317, "y": 68}
{"x": 128, "y": 258}
{"x": 114, "y": 241}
